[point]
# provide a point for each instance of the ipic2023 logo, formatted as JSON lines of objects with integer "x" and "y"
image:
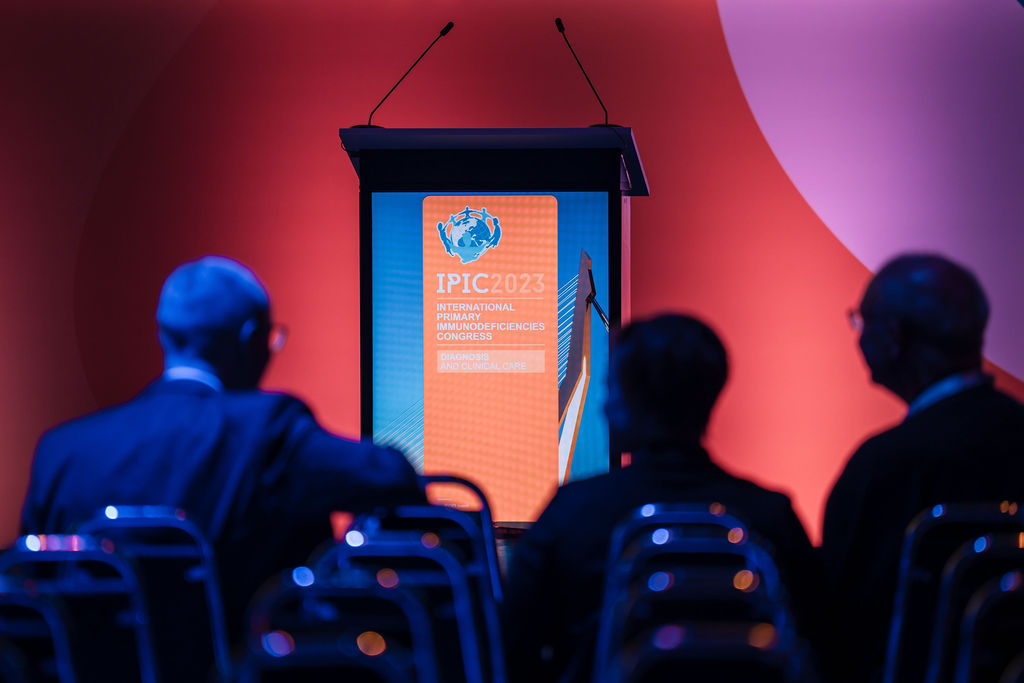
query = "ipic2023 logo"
{"x": 469, "y": 233}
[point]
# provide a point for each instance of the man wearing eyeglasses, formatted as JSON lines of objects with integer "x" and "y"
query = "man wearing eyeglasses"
{"x": 921, "y": 322}
{"x": 252, "y": 468}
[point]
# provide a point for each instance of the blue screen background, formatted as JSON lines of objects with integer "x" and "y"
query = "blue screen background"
{"x": 397, "y": 317}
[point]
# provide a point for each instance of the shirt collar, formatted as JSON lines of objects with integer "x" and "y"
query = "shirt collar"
{"x": 187, "y": 372}
{"x": 945, "y": 388}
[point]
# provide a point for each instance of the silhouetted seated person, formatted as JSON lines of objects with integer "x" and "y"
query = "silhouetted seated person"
{"x": 664, "y": 377}
{"x": 923, "y": 321}
{"x": 253, "y": 469}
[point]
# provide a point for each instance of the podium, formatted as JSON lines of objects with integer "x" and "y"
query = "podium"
{"x": 493, "y": 263}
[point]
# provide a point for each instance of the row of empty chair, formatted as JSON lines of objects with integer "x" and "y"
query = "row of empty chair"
{"x": 689, "y": 589}
{"x": 957, "y": 615}
{"x": 121, "y": 600}
{"x": 413, "y": 594}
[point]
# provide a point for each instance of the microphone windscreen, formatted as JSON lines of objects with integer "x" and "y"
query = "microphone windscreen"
{"x": 447, "y": 27}
{"x": 559, "y": 25}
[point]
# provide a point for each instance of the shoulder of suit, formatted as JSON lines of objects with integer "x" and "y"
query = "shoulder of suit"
{"x": 749, "y": 487}
{"x": 1008, "y": 403}
{"x": 581, "y": 492}
{"x": 99, "y": 419}
{"x": 769, "y": 498}
{"x": 275, "y": 398}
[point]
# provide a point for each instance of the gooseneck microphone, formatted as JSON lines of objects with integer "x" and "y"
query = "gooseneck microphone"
{"x": 592, "y": 298}
{"x": 444, "y": 31}
{"x": 561, "y": 29}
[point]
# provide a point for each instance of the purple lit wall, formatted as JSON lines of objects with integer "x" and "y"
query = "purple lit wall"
{"x": 901, "y": 125}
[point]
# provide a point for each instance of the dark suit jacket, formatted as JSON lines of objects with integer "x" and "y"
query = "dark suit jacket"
{"x": 556, "y": 579}
{"x": 966, "y": 447}
{"x": 253, "y": 469}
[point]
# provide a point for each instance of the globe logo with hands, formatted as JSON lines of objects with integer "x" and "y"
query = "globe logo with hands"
{"x": 468, "y": 234}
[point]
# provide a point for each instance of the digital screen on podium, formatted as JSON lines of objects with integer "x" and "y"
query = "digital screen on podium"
{"x": 489, "y": 349}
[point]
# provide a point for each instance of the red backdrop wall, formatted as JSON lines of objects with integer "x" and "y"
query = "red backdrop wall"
{"x": 137, "y": 135}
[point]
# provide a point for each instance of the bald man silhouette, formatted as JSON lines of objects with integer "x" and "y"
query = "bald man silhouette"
{"x": 252, "y": 468}
{"x": 922, "y": 324}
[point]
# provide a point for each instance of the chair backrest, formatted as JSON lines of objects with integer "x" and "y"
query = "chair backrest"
{"x": 416, "y": 561}
{"x": 35, "y": 642}
{"x": 684, "y": 562}
{"x": 487, "y": 549}
{"x": 459, "y": 533}
{"x": 177, "y": 572}
{"x": 304, "y": 630}
{"x": 930, "y": 539}
{"x": 100, "y": 602}
{"x": 692, "y": 579}
{"x": 992, "y": 629}
{"x": 970, "y": 567}
{"x": 675, "y": 592}
{"x": 689, "y": 520}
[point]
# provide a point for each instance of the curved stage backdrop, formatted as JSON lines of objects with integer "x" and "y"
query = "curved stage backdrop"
{"x": 791, "y": 147}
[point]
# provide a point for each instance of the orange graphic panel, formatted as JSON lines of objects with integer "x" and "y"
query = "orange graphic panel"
{"x": 490, "y": 346}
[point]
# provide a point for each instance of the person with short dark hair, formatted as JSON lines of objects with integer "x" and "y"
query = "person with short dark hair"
{"x": 922, "y": 323}
{"x": 664, "y": 377}
{"x": 253, "y": 469}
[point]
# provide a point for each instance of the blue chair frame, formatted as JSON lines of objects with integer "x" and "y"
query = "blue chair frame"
{"x": 67, "y": 552}
{"x": 656, "y": 517}
{"x": 263, "y": 610}
{"x": 991, "y": 556}
{"x": 47, "y": 613}
{"x": 334, "y": 564}
{"x": 119, "y": 518}
{"x": 486, "y": 527}
{"x": 480, "y": 569}
{"x": 917, "y": 584}
{"x": 1000, "y": 593}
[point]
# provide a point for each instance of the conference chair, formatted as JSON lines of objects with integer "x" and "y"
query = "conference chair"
{"x": 682, "y": 564}
{"x": 468, "y": 535}
{"x": 692, "y": 579}
{"x": 34, "y": 641}
{"x": 478, "y": 539}
{"x": 303, "y": 629}
{"x": 99, "y": 600}
{"x": 417, "y": 562}
{"x": 992, "y": 630}
{"x": 970, "y": 567}
{"x": 673, "y": 520}
{"x": 649, "y": 528}
{"x": 177, "y": 573}
{"x": 930, "y": 539}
